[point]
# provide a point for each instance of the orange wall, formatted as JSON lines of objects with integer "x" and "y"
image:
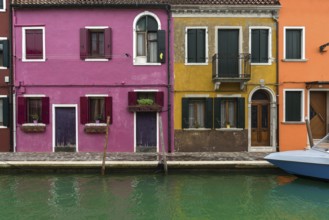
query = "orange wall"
{"x": 314, "y": 16}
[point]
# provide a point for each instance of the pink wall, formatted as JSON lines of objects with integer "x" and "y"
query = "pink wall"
{"x": 64, "y": 77}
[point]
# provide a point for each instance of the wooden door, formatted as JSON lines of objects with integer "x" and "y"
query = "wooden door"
{"x": 318, "y": 116}
{"x": 260, "y": 124}
{"x": 65, "y": 129}
{"x": 228, "y": 52}
{"x": 146, "y": 132}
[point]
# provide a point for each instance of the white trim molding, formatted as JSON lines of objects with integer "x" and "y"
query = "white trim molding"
{"x": 34, "y": 95}
{"x": 196, "y": 96}
{"x": 302, "y": 28}
{"x": 54, "y": 106}
{"x": 302, "y": 119}
{"x": 24, "y": 44}
{"x": 96, "y": 95}
{"x": 142, "y": 60}
{"x": 206, "y": 45}
{"x": 4, "y": 6}
{"x": 269, "y": 43}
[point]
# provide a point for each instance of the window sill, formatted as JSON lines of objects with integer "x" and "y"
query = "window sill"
{"x": 33, "y": 128}
{"x": 196, "y": 129}
{"x": 39, "y": 60}
{"x": 229, "y": 129}
{"x": 196, "y": 64}
{"x": 96, "y": 60}
{"x": 3, "y": 68}
{"x": 293, "y": 122}
{"x": 260, "y": 64}
{"x": 95, "y": 128}
{"x": 3, "y": 127}
{"x": 295, "y": 60}
{"x": 147, "y": 64}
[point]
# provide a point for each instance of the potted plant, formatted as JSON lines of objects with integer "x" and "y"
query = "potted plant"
{"x": 35, "y": 118}
{"x": 145, "y": 102}
{"x": 228, "y": 125}
{"x": 98, "y": 118}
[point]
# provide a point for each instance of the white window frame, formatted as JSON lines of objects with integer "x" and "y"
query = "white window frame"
{"x": 302, "y": 28}
{"x": 142, "y": 60}
{"x": 3, "y": 38}
{"x": 302, "y": 120}
{"x": 270, "y": 57}
{"x": 186, "y": 45}
{"x": 24, "y": 44}
{"x": 4, "y": 6}
{"x": 3, "y": 97}
{"x": 96, "y": 59}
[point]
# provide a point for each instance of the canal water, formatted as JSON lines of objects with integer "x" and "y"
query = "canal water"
{"x": 188, "y": 195}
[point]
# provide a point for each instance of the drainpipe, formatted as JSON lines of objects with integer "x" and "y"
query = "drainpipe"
{"x": 275, "y": 18}
{"x": 10, "y": 86}
{"x": 169, "y": 79}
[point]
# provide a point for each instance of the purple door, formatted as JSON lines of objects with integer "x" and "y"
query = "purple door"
{"x": 65, "y": 129}
{"x": 146, "y": 132}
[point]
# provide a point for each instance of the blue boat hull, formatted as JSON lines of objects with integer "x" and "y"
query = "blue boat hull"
{"x": 309, "y": 163}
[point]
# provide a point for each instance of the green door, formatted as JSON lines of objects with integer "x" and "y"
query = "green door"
{"x": 228, "y": 52}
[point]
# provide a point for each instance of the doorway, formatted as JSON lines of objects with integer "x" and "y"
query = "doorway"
{"x": 146, "y": 132}
{"x": 260, "y": 119}
{"x": 318, "y": 113}
{"x": 65, "y": 128}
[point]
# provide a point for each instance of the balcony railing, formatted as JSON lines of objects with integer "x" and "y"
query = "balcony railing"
{"x": 231, "y": 68}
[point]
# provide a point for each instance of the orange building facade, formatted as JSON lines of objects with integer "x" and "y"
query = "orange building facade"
{"x": 303, "y": 72}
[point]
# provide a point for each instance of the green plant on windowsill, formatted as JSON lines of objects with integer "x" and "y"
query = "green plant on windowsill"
{"x": 145, "y": 102}
{"x": 35, "y": 117}
{"x": 98, "y": 118}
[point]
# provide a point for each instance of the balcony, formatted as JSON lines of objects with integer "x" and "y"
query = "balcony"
{"x": 232, "y": 68}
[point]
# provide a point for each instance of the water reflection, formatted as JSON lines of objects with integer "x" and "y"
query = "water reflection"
{"x": 224, "y": 195}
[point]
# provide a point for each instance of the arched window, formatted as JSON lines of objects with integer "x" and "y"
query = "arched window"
{"x": 149, "y": 40}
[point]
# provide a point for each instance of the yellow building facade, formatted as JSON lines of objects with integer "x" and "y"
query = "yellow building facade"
{"x": 225, "y": 78}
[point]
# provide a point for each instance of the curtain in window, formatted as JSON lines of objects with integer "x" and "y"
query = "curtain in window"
{"x": 34, "y": 109}
{"x": 228, "y": 114}
{"x": 196, "y": 115}
{"x": 1, "y": 112}
{"x": 152, "y": 47}
{"x": 97, "y": 107}
{"x": 141, "y": 44}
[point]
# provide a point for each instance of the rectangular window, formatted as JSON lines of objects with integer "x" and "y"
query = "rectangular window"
{"x": 293, "y": 105}
{"x": 95, "y": 109}
{"x": 32, "y": 109}
{"x": 197, "y": 112}
{"x": 294, "y": 43}
{"x": 196, "y": 45}
{"x": 229, "y": 113}
{"x": 95, "y": 43}
{"x": 4, "y": 53}
{"x": 33, "y": 44}
{"x": 2, "y": 5}
{"x": 260, "y": 45}
{"x": 1, "y": 112}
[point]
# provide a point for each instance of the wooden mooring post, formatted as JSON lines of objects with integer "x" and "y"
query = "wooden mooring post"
{"x": 309, "y": 132}
{"x": 164, "y": 158}
{"x": 106, "y": 143}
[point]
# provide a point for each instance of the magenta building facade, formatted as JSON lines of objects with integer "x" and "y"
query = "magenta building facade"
{"x": 75, "y": 66}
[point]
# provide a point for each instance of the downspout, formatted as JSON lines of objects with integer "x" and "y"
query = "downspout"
{"x": 169, "y": 79}
{"x": 10, "y": 86}
{"x": 275, "y": 18}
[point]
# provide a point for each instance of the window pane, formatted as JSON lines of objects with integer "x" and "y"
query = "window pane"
{"x": 254, "y": 116}
{"x": 228, "y": 113}
{"x": 265, "y": 116}
{"x": 101, "y": 44}
{"x": 97, "y": 109}
{"x": 293, "y": 44}
{"x": 34, "y": 109}
{"x": 141, "y": 44}
{"x": 34, "y": 44}
{"x": 141, "y": 24}
{"x": 152, "y": 47}
{"x": 259, "y": 46}
{"x": 293, "y": 105}
{"x": 1, "y": 112}
{"x": 1, "y": 53}
{"x": 152, "y": 24}
{"x": 97, "y": 44}
{"x": 196, "y": 114}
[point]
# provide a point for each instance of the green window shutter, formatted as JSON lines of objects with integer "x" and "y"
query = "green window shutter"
{"x": 5, "y": 112}
{"x": 293, "y": 44}
{"x": 293, "y": 104}
{"x": 217, "y": 111}
{"x": 6, "y": 56}
{"x": 201, "y": 42}
{"x": 209, "y": 113}
{"x": 185, "y": 115}
{"x": 263, "y": 47}
{"x": 191, "y": 45}
{"x": 161, "y": 36}
{"x": 240, "y": 112}
{"x": 255, "y": 46}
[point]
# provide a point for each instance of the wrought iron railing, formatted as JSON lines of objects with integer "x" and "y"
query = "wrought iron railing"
{"x": 235, "y": 67}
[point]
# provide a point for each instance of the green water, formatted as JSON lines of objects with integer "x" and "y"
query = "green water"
{"x": 200, "y": 195}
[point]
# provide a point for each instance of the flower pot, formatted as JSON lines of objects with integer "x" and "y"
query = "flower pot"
{"x": 35, "y": 121}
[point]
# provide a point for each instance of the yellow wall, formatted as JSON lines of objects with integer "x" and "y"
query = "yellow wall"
{"x": 197, "y": 79}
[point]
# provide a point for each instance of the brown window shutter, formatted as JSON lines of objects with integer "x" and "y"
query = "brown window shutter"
{"x": 22, "y": 105}
{"x": 83, "y": 43}
{"x": 132, "y": 98}
{"x": 108, "y": 43}
{"x": 108, "y": 108}
{"x": 45, "y": 110}
{"x": 159, "y": 96}
{"x": 84, "y": 110}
